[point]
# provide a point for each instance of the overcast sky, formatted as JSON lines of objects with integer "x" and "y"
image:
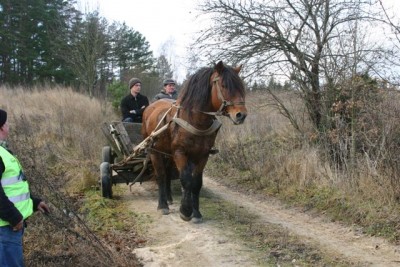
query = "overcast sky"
{"x": 159, "y": 21}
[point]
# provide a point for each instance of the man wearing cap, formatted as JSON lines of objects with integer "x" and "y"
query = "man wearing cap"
{"x": 168, "y": 91}
{"x": 16, "y": 202}
{"x": 133, "y": 105}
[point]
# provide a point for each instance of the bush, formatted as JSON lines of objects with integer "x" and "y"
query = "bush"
{"x": 118, "y": 91}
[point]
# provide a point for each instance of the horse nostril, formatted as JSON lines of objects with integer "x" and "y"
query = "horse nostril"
{"x": 240, "y": 116}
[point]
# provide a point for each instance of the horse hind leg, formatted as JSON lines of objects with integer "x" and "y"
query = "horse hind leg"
{"x": 170, "y": 201}
{"x": 161, "y": 178}
{"x": 171, "y": 174}
{"x": 162, "y": 196}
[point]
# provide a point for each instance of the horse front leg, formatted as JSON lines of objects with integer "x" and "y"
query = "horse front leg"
{"x": 161, "y": 178}
{"x": 185, "y": 170}
{"x": 186, "y": 208}
{"x": 196, "y": 187}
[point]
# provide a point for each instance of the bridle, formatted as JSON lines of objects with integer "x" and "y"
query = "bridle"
{"x": 224, "y": 103}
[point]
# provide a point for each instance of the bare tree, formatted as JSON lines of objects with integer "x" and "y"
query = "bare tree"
{"x": 299, "y": 39}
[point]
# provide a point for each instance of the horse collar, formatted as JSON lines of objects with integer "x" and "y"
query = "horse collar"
{"x": 190, "y": 128}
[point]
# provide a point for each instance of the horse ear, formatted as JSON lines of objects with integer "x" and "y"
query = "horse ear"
{"x": 219, "y": 67}
{"x": 238, "y": 69}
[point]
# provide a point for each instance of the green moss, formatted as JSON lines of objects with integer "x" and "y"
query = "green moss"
{"x": 105, "y": 214}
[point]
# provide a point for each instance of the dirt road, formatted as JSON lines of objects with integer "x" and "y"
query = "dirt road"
{"x": 173, "y": 242}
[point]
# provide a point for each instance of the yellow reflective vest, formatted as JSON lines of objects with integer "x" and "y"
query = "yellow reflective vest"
{"x": 15, "y": 186}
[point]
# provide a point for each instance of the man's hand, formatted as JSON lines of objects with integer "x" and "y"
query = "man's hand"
{"x": 42, "y": 207}
{"x": 19, "y": 226}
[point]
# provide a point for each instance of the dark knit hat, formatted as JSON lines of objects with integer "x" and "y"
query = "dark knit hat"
{"x": 3, "y": 117}
{"x": 133, "y": 81}
{"x": 168, "y": 81}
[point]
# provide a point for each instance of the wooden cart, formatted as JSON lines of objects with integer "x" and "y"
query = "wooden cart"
{"x": 119, "y": 164}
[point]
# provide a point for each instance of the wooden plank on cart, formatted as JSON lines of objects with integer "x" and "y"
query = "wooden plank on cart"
{"x": 107, "y": 129}
{"x": 126, "y": 143}
{"x": 134, "y": 132}
{"x": 122, "y": 136}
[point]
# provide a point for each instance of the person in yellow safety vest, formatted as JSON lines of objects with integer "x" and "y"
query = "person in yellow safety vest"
{"x": 16, "y": 203}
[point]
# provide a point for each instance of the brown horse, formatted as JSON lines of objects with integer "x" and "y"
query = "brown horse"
{"x": 191, "y": 129}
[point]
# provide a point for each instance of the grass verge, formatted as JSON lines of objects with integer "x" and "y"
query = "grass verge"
{"x": 271, "y": 244}
{"x": 114, "y": 221}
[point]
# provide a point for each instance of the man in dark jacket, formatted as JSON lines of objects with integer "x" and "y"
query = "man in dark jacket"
{"x": 168, "y": 91}
{"x": 16, "y": 202}
{"x": 133, "y": 105}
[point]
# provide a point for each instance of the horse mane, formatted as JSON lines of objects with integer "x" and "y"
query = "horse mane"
{"x": 196, "y": 92}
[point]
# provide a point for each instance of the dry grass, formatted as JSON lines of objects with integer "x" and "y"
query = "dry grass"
{"x": 266, "y": 154}
{"x": 56, "y": 135}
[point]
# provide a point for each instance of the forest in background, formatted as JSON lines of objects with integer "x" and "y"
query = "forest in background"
{"x": 51, "y": 42}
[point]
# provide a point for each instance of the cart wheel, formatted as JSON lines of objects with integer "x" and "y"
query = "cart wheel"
{"x": 105, "y": 176}
{"x": 106, "y": 154}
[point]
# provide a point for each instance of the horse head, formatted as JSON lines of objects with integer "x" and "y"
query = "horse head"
{"x": 228, "y": 93}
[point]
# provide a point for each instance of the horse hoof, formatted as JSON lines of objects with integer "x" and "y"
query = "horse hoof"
{"x": 164, "y": 211}
{"x": 185, "y": 218}
{"x": 213, "y": 151}
{"x": 197, "y": 220}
